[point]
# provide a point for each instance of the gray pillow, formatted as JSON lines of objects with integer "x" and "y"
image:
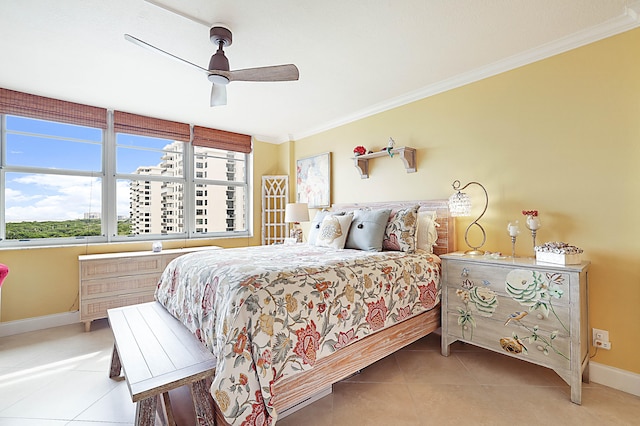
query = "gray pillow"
{"x": 367, "y": 229}
{"x": 315, "y": 225}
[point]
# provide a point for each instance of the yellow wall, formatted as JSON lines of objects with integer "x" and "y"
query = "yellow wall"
{"x": 287, "y": 161}
{"x": 44, "y": 281}
{"x": 561, "y": 136}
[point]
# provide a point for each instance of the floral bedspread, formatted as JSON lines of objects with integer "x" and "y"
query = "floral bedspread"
{"x": 268, "y": 312}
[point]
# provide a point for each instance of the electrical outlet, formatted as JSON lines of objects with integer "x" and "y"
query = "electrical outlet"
{"x": 601, "y": 339}
{"x": 602, "y": 335}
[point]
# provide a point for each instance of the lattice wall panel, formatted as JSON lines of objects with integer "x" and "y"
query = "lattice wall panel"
{"x": 275, "y": 194}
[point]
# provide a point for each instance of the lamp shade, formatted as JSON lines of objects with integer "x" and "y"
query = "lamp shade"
{"x": 460, "y": 204}
{"x": 296, "y": 212}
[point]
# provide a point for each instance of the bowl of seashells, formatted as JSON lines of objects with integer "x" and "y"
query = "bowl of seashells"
{"x": 558, "y": 253}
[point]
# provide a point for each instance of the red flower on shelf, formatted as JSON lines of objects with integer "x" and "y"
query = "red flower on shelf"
{"x": 533, "y": 213}
{"x": 359, "y": 150}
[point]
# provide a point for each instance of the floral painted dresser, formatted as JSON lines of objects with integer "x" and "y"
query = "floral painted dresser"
{"x": 532, "y": 311}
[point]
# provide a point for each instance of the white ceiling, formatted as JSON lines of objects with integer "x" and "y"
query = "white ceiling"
{"x": 355, "y": 57}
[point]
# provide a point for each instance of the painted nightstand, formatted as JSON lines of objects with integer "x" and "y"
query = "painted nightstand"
{"x": 536, "y": 312}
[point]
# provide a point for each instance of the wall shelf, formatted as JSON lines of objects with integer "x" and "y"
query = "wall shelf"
{"x": 408, "y": 156}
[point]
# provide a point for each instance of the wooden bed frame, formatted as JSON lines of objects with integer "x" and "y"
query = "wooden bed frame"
{"x": 297, "y": 389}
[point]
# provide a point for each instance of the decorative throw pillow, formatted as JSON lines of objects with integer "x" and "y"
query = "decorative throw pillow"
{"x": 367, "y": 229}
{"x": 426, "y": 234}
{"x": 400, "y": 233}
{"x": 315, "y": 225}
{"x": 334, "y": 230}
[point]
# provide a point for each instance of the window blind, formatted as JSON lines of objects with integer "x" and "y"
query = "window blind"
{"x": 124, "y": 122}
{"x": 220, "y": 139}
{"x": 27, "y": 105}
{"x": 40, "y": 107}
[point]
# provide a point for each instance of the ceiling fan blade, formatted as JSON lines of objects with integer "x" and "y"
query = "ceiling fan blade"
{"x": 146, "y": 45}
{"x": 218, "y": 95}
{"x": 287, "y": 72}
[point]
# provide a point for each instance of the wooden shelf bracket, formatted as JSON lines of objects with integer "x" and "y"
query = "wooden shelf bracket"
{"x": 408, "y": 156}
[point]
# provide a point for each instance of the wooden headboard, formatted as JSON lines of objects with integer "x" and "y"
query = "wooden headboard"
{"x": 446, "y": 231}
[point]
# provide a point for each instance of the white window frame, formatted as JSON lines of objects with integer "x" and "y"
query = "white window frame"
{"x": 4, "y": 169}
{"x": 109, "y": 177}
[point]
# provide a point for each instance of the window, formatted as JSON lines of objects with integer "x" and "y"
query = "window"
{"x": 66, "y": 175}
{"x": 52, "y": 179}
{"x": 150, "y": 182}
{"x": 222, "y": 188}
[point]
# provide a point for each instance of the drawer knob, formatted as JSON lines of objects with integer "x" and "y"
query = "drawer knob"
{"x": 465, "y": 272}
{"x": 540, "y": 316}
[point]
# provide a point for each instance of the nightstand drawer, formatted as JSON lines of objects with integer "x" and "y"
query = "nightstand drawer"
{"x": 483, "y": 302}
{"x": 527, "y": 285}
{"x": 536, "y": 347}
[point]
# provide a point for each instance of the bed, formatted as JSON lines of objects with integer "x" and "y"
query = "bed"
{"x": 288, "y": 320}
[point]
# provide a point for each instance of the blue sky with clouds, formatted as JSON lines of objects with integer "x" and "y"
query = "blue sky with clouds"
{"x": 39, "y": 197}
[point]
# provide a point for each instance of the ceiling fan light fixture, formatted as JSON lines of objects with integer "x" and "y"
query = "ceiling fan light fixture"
{"x": 219, "y": 61}
{"x": 218, "y": 79}
{"x": 218, "y": 95}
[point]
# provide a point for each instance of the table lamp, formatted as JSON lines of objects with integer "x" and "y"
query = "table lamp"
{"x": 296, "y": 213}
{"x": 460, "y": 205}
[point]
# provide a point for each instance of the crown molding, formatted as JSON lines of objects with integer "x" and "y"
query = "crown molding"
{"x": 179, "y": 13}
{"x": 272, "y": 139}
{"x": 629, "y": 20}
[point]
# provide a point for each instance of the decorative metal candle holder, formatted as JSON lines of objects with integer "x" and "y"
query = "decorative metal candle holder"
{"x": 514, "y": 230}
{"x": 533, "y": 224}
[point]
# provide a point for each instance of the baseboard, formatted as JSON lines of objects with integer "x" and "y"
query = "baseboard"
{"x": 38, "y": 323}
{"x": 616, "y": 378}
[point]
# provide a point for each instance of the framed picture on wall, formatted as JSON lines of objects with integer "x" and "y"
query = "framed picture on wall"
{"x": 313, "y": 180}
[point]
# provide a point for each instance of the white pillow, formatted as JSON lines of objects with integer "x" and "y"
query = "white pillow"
{"x": 315, "y": 225}
{"x": 333, "y": 231}
{"x": 427, "y": 234}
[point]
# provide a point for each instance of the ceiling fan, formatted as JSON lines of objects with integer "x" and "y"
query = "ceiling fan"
{"x": 219, "y": 73}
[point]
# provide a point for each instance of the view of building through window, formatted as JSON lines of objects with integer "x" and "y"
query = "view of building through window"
{"x": 157, "y": 195}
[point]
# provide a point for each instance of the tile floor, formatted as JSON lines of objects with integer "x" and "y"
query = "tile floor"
{"x": 60, "y": 377}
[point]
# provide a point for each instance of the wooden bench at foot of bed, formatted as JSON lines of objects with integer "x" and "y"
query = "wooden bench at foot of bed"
{"x": 158, "y": 354}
